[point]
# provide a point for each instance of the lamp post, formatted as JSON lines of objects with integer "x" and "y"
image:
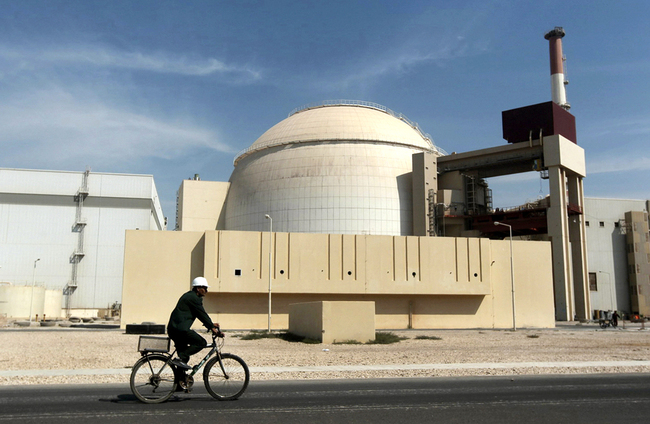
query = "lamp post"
{"x": 31, "y": 300}
{"x": 267, "y": 216}
{"x": 512, "y": 277}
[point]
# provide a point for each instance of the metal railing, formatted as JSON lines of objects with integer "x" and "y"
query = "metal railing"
{"x": 343, "y": 102}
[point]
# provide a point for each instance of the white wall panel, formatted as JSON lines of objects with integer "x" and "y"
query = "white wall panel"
{"x": 39, "y": 182}
{"x": 37, "y": 221}
{"x": 607, "y": 256}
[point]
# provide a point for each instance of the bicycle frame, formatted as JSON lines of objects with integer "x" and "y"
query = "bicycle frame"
{"x": 214, "y": 349}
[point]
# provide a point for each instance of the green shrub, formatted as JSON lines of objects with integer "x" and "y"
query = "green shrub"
{"x": 428, "y": 338}
{"x": 386, "y": 338}
{"x": 256, "y": 335}
{"x": 286, "y": 336}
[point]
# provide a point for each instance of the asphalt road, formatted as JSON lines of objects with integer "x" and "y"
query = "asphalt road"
{"x": 531, "y": 399}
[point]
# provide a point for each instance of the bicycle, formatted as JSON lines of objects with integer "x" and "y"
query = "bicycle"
{"x": 604, "y": 323}
{"x": 154, "y": 379}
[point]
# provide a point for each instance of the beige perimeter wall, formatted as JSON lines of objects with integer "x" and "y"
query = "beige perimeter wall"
{"x": 416, "y": 282}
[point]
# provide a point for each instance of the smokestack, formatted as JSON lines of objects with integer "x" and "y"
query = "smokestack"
{"x": 558, "y": 91}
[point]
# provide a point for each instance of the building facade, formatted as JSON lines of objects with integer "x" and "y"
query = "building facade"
{"x": 617, "y": 236}
{"x": 64, "y": 231}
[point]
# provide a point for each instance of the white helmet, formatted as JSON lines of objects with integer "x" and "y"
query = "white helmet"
{"x": 199, "y": 282}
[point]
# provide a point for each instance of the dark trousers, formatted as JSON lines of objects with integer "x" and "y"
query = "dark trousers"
{"x": 187, "y": 343}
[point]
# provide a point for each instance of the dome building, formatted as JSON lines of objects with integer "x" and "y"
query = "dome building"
{"x": 342, "y": 168}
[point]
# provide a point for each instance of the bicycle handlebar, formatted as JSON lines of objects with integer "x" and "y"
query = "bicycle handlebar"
{"x": 219, "y": 333}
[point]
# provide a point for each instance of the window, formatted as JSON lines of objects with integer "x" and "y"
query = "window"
{"x": 602, "y": 224}
{"x": 593, "y": 285}
{"x": 617, "y": 224}
{"x": 586, "y": 223}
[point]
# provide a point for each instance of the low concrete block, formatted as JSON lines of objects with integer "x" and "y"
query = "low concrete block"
{"x": 332, "y": 322}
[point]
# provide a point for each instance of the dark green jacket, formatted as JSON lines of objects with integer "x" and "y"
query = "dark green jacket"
{"x": 189, "y": 308}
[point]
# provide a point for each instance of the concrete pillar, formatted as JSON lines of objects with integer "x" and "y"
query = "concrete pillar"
{"x": 424, "y": 178}
{"x": 577, "y": 237}
{"x": 558, "y": 231}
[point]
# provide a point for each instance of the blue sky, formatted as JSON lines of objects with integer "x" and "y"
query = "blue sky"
{"x": 175, "y": 88}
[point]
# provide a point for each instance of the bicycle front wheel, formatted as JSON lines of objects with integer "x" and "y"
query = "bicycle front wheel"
{"x": 228, "y": 382}
{"x": 153, "y": 379}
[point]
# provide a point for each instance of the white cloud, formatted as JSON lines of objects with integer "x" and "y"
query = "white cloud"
{"x": 106, "y": 57}
{"x": 618, "y": 164}
{"x": 53, "y": 128}
{"x": 56, "y": 114}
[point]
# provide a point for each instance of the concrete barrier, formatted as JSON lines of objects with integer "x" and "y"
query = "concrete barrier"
{"x": 332, "y": 322}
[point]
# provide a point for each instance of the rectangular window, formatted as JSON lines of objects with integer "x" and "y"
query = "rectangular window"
{"x": 593, "y": 285}
{"x": 602, "y": 224}
{"x": 617, "y": 224}
{"x": 586, "y": 223}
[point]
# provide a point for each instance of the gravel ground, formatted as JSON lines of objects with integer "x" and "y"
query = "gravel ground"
{"x": 72, "y": 349}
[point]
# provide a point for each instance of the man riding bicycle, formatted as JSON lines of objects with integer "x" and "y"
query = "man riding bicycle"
{"x": 189, "y": 308}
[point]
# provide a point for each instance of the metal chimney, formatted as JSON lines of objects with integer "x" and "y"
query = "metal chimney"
{"x": 558, "y": 91}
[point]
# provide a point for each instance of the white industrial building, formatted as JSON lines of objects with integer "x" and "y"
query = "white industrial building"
{"x": 64, "y": 231}
{"x": 613, "y": 272}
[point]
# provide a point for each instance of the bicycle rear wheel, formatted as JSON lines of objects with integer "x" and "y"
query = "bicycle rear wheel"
{"x": 153, "y": 379}
{"x": 229, "y": 382}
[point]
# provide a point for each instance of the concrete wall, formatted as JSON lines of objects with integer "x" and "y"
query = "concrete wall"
{"x": 638, "y": 259}
{"x": 422, "y": 282}
{"x": 330, "y": 322}
{"x": 158, "y": 269}
{"x": 200, "y": 205}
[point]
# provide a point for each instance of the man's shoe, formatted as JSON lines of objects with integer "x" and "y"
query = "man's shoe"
{"x": 180, "y": 364}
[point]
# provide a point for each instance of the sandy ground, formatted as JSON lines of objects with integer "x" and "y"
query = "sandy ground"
{"x": 73, "y": 349}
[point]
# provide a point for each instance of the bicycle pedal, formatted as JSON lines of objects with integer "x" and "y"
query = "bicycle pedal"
{"x": 188, "y": 390}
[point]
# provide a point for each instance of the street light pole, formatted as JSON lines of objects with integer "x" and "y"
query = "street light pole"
{"x": 267, "y": 216}
{"x": 31, "y": 300}
{"x": 512, "y": 277}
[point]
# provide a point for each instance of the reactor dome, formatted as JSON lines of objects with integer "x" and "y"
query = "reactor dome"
{"x": 340, "y": 167}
